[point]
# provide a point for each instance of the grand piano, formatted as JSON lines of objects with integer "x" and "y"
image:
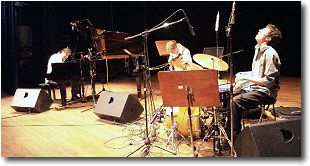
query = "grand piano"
{"x": 106, "y": 46}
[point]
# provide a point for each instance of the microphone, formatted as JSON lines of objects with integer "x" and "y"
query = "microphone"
{"x": 128, "y": 52}
{"x": 74, "y": 23}
{"x": 191, "y": 29}
{"x": 217, "y": 21}
{"x": 232, "y": 21}
{"x": 189, "y": 89}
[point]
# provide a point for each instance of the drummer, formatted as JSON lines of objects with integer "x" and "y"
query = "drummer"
{"x": 177, "y": 52}
{"x": 179, "y": 56}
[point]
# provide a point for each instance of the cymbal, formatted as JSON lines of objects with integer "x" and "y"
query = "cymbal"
{"x": 179, "y": 66}
{"x": 210, "y": 62}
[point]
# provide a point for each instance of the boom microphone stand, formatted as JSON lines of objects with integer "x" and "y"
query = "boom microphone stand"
{"x": 147, "y": 142}
{"x": 92, "y": 72}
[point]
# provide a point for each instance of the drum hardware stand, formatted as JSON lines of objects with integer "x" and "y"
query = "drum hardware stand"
{"x": 158, "y": 115}
{"x": 174, "y": 133}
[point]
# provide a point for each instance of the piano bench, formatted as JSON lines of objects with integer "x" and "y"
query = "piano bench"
{"x": 49, "y": 88}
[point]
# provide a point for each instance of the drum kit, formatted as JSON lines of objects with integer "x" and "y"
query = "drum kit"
{"x": 204, "y": 60}
{"x": 177, "y": 123}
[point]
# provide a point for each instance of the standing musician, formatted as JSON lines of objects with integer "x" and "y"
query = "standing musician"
{"x": 61, "y": 57}
{"x": 262, "y": 82}
{"x": 177, "y": 53}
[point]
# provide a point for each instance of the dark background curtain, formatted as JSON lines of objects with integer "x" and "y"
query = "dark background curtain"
{"x": 49, "y": 23}
{"x": 8, "y": 48}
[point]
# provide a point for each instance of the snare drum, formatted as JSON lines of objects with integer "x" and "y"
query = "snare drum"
{"x": 182, "y": 121}
{"x": 224, "y": 95}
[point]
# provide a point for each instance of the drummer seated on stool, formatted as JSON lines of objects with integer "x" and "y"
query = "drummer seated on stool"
{"x": 178, "y": 54}
{"x": 61, "y": 57}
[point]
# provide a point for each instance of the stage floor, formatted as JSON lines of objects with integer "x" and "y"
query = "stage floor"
{"x": 76, "y": 131}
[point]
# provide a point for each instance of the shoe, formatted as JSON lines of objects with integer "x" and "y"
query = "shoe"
{"x": 75, "y": 98}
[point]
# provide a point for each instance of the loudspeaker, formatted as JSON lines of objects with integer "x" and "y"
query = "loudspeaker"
{"x": 271, "y": 139}
{"x": 33, "y": 100}
{"x": 119, "y": 107}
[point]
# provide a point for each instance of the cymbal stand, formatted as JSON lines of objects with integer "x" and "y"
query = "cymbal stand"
{"x": 218, "y": 130}
{"x": 231, "y": 22}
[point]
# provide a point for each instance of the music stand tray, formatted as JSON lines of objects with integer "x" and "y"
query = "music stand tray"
{"x": 161, "y": 47}
{"x": 204, "y": 85}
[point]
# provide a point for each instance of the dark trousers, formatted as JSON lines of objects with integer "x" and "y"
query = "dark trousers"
{"x": 75, "y": 89}
{"x": 243, "y": 101}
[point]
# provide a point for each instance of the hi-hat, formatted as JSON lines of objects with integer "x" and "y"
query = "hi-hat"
{"x": 210, "y": 62}
{"x": 179, "y": 66}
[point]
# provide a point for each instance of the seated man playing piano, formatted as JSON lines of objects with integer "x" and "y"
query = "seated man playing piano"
{"x": 61, "y": 57}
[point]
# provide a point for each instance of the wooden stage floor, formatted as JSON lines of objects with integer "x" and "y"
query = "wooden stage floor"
{"x": 77, "y": 132}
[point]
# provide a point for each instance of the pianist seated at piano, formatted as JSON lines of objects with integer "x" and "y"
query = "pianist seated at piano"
{"x": 61, "y": 57}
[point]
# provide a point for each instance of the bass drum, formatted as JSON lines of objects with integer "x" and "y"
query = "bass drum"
{"x": 181, "y": 120}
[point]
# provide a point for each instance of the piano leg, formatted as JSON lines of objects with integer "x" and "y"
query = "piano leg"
{"x": 138, "y": 76}
{"x": 82, "y": 89}
{"x": 75, "y": 88}
{"x": 63, "y": 93}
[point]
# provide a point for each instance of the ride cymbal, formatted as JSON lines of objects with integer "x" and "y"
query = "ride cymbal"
{"x": 210, "y": 62}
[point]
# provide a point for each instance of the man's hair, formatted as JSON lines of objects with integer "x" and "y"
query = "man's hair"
{"x": 67, "y": 49}
{"x": 275, "y": 35}
{"x": 170, "y": 45}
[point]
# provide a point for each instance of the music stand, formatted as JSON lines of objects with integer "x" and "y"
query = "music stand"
{"x": 161, "y": 47}
{"x": 189, "y": 89}
{"x": 213, "y": 51}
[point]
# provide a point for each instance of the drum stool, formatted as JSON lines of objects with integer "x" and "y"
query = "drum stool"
{"x": 263, "y": 108}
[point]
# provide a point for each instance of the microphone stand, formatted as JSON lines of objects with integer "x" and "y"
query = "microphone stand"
{"x": 229, "y": 28}
{"x": 217, "y": 43}
{"x": 92, "y": 72}
{"x": 147, "y": 142}
{"x": 190, "y": 99}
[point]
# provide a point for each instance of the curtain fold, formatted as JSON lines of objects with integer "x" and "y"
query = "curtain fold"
{"x": 9, "y": 76}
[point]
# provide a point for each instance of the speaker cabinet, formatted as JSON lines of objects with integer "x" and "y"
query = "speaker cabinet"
{"x": 273, "y": 139}
{"x": 33, "y": 100}
{"x": 119, "y": 107}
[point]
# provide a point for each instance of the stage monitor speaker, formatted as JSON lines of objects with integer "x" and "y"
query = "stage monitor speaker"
{"x": 119, "y": 107}
{"x": 272, "y": 139}
{"x": 33, "y": 100}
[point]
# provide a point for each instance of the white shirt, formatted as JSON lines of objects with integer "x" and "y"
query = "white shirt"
{"x": 55, "y": 58}
{"x": 183, "y": 55}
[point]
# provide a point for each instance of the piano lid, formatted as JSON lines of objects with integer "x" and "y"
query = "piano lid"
{"x": 113, "y": 43}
